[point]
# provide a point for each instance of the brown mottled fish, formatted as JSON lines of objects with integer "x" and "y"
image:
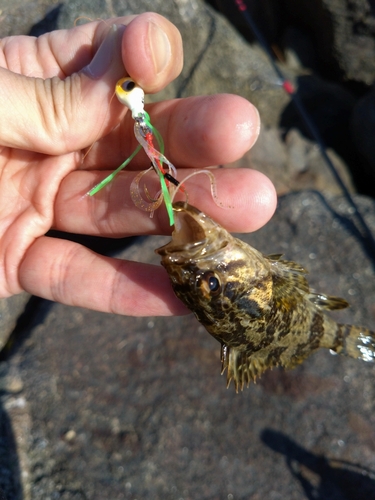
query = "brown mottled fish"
{"x": 260, "y": 308}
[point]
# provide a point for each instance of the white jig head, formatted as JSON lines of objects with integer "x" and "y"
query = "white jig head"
{"x": 132, "y": 96}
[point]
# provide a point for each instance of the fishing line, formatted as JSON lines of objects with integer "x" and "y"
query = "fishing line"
{"x": 291, "y": 91}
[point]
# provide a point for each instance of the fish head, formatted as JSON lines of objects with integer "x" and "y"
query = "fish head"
{"x": 216, "y": 275}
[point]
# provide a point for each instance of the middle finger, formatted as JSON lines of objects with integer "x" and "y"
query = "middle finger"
{"x": 199, "y": 131}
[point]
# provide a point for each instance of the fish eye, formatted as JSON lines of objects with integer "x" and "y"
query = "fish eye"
{"x": 209, "y": 284}
{"x": 213, "y": 283}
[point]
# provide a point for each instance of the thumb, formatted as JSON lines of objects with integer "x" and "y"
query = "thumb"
{"x": 55, "y": 116}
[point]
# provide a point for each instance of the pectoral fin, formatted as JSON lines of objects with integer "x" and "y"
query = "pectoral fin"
{"x": 327, "y": 302}
{"x": 241, "y": 366}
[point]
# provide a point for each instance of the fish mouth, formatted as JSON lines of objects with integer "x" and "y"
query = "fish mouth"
{"x": 189, "y": 234}
{"x": 188, "y": 229}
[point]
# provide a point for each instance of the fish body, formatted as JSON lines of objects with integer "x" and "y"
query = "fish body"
{"x": 260, "y": 308}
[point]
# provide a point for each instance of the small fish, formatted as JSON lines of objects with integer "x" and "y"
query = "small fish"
{"x": 260, "y": 308}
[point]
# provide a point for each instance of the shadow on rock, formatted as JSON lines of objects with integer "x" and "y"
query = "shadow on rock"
{"x": 351, "y": 221}
{"x": 322, "y": 478}
{"x": 47, "y": 24}
{"x": 10, "y": 477}
{"x": 330, "y": 107}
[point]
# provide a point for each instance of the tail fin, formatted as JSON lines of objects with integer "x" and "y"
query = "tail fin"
{"x": 356, "y": 342}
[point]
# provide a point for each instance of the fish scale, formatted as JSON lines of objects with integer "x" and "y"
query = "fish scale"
{"x": 260, "y": 308}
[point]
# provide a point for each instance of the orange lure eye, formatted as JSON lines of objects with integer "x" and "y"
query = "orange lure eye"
{"x": 130, "y": 94}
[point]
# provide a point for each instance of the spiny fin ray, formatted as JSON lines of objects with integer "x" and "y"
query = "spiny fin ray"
{"x": 241, "y": 368}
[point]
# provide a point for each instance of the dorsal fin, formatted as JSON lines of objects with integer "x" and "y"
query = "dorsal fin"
{"x": 290, "y": 264}
{"x": 293, "y": 267}
{"x": 289, "y": 276}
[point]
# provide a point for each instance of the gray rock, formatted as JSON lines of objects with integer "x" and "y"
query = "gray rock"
{"x": 294, "y": 163}
{"x": 343, "y": 34}
{"x": 125, "y": 407}
{"x": 218, "y": 59}
{"x": 110, "y": 407}
{"x": 363, "y": 126}
{"x": 18, "y": 17}
{"x": 333, "y": 37}
{"x": 10, "y": 309}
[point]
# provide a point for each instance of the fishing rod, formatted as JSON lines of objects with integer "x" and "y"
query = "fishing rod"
{"x": 290, "y": 89}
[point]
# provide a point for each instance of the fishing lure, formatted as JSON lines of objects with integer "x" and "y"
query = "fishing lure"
{"x": 131, "y": 95}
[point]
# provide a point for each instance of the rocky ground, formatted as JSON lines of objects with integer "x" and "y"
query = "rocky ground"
{"x": 97, "y": 406}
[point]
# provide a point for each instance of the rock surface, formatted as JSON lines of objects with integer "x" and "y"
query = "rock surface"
{"x": 19, "y": 17}
{"x": 343, "y": 34}
{"x": 97, "y": 406}
{"x": 10, "y": 309}
{"x": 294, "y": 163}
{"x": 335, "y": 37}
{"x": 115, "y": 407}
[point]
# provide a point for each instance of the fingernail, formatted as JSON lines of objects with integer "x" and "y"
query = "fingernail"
{"x": 108, "y": 54}
{"x": 160, "y": 47}
{"x": 249, "y": 129}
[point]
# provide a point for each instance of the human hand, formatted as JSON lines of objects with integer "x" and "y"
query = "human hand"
{"x": 55, "y": 97}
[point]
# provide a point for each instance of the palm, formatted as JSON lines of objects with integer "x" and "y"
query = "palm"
{"x": 28, "y": 187}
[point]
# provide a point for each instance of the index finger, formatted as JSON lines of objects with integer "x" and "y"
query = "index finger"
{"x": 149, "y": 39}
{"x": 198, "y": 131}
{"x": 67, "y": 107}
